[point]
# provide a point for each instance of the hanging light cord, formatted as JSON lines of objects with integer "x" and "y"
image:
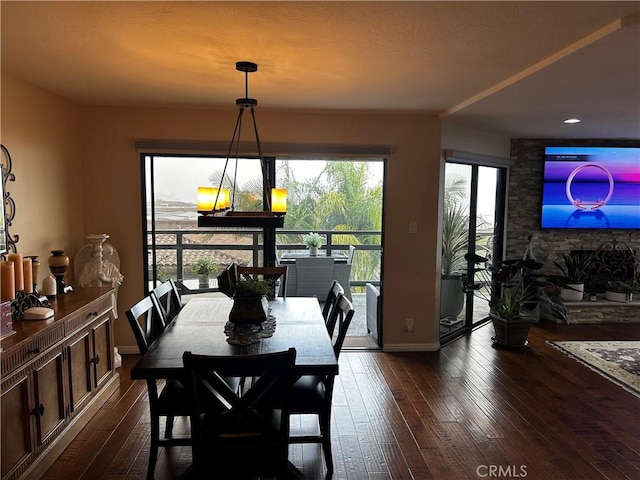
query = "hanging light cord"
{"x": 235, "y": 139}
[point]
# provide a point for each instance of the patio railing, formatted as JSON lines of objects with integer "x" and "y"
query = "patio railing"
{"x": 176, "y": 249}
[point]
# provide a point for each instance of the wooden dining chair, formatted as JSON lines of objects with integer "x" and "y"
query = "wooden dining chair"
{"x": 168, "y": 298}
{"x": 275, "y": 274}
{"x": 239, "y": 431}
{"x": 330, "y": 301}
{"x": 312, "y": 394}
{"x": 147, "y": 322}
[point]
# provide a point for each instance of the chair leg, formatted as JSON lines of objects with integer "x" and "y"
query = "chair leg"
{"x": 168, "y": 429}
{"x": 325, "y": 431}
{"x": 153, "y": 448}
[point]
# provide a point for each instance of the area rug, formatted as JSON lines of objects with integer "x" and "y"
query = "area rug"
{"x": 617, "y": 361}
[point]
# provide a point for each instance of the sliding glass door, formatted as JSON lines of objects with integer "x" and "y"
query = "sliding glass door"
{"x": 473, "y": 222}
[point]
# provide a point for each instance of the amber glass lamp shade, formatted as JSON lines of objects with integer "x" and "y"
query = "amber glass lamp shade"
{"x": 279, "y": 200}
{"x": 207, "y": 199}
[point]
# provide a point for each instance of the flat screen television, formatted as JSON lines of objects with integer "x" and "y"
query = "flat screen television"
{"x": 591, "y": 187}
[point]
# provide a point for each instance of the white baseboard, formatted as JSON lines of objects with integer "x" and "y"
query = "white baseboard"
{"x": 128, "y": 350}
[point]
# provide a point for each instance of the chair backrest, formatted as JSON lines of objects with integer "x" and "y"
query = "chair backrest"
{"x": 372, "y": 296}
{"x": 314, "y": 276}
{"x": 239, "y": 421}
{"x": 168, "y": 298}
{"x": 350, "y": 254}
{"x": 270, "y": 274}
{"x": 146, "y": 321}
{"x": 335, "y": 290}
{"x": 341, "y": 315}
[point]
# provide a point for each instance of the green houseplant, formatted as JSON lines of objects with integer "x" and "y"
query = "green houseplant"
{"x": 575, "y": 268}
{"x": 455, "y": 235}
{"x": 249, "y": 293}
{"x": 313, "y": 241}
{"x": 510, "y": 288}
{"x": 205, "y": 268}
{"x": 455, "y": 244}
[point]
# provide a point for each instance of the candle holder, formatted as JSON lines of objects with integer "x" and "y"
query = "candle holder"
{"x": 24, "y": 301}
{"x": 58, "y": 264}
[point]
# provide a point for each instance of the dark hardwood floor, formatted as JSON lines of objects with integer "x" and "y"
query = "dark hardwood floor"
{"x": 468, "y": 411}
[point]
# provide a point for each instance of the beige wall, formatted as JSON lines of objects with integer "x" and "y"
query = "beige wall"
{"x": 78, "y": 173}
{"x": 112, "y": 192}
{"x": 41, "y": 132}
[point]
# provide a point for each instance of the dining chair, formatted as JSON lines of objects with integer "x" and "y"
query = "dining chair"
{"x": 275, "y": 274}
{"x": 172, "y": 400}
{"x": 239, "y": 430}
{"x": 350, "y": 254}
{"x": 312, "y": 394}
{"x": 330, "y": 300}
{"x": 168, "y": 298}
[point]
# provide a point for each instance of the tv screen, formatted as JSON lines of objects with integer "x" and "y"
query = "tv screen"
{"x": 591, "y": 187}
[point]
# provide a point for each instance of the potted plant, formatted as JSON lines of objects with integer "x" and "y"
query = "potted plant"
{"x": 618, "y": 291}
{"x": 455, "y": 235}
{"x": 312, "y": 241}
{"x": 250, "y": 295}
{"x": 575, "y": 268}
{"x": 510, "y": 287}
{"x": 205, "y": 268}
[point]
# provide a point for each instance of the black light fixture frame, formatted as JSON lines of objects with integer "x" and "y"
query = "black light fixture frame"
{"x": 230, "y": 217}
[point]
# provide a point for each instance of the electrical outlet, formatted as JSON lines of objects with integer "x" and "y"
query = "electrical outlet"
{"x": 409, "y": 324}
{"x": 413, "y": 227}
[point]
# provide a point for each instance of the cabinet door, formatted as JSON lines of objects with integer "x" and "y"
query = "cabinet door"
{"x": 102, "y": 360}
{"x": 80, "y": 355}
{"x": 17, "y": 447}
{"x": 48, "y": 386}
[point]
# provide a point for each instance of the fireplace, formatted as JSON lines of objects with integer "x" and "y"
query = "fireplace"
{"x": 612, "y": 261}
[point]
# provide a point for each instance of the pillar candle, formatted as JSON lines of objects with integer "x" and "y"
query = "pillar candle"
{"x": 28, "y": 275}
{"x": 7, "y": 282}
{"x": 16, "y": 258}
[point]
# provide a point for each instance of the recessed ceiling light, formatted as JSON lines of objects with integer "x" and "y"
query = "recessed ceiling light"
{"x": 572, "y": 120}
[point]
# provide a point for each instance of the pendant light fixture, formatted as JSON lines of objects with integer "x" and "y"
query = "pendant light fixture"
{"x": 215, "y": 207}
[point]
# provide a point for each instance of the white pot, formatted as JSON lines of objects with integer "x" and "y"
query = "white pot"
{"x": 617, "y": 296}
{"x": 573, "y": 294}
{"x": 313, "y": 251}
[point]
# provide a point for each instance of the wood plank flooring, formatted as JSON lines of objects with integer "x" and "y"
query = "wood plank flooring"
{"x": 469, "y": 411}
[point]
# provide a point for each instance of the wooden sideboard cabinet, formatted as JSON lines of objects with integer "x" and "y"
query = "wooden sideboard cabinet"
{"x": 56, "y": 374}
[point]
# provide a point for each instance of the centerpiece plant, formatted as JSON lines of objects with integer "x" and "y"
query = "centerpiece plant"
{"x": 250, "y": 295}
{"x": 313, "y": 241}
{"x": 510, "y": 287}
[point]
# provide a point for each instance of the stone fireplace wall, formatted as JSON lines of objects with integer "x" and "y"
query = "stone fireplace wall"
{"x": 524, "y": 207}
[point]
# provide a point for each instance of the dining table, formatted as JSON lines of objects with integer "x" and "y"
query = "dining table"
{"x": 200, "y": 329}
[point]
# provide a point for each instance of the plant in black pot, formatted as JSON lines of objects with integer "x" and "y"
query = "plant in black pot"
{"x": 511, "y": 289}
{"x": 250, "y": 296}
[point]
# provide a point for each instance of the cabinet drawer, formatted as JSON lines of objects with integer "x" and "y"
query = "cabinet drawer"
{"x": 90, "y": 312}
{"x": 15, "y": 358}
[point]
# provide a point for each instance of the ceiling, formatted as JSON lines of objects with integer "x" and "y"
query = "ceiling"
{"x": 513, "y": 68}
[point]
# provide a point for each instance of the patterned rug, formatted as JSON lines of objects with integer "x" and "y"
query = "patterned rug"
{"x": 617, "y": 361}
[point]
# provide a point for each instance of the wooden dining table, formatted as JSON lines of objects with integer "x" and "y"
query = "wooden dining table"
{"x": 199, "y": 328}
